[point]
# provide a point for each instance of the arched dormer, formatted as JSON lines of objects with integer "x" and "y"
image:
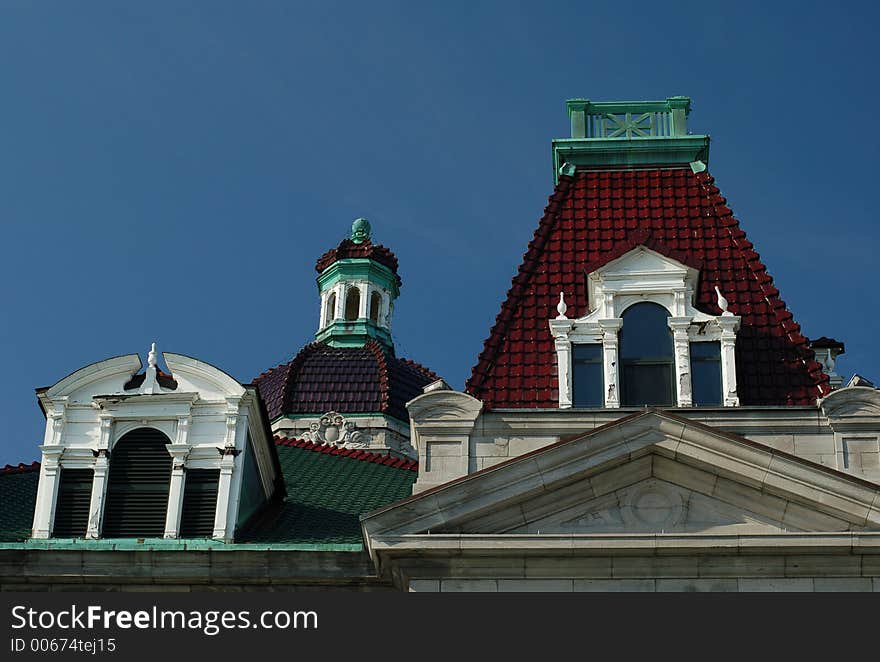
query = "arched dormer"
{"x": 703, "y": 364}
{"x": 113, "y": 436}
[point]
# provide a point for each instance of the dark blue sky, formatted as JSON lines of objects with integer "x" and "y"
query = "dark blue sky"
{"x": 171, "y": 171}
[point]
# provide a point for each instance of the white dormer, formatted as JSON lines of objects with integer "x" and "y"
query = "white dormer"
{"x": 644, "y": 276}
{"x": 152, "y": 455}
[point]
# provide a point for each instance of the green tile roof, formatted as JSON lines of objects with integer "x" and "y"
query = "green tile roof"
{"x": 326, "y": 494}
{"x": 18, "y": 494}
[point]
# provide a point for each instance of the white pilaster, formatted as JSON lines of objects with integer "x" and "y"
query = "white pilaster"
{"x": 47, "y": 491}
{"x": 729, "y": 325}
{"x": 99, "y": 493}
{"x": 175, "y": 491}
{"x": 564, "y": 370}
{"x": 227, "y": 464}
{"x": 610, "y": 329}
{"x": 682, "y": 351}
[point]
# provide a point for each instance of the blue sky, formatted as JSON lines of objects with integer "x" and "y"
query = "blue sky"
{"x": 171, "y": 171}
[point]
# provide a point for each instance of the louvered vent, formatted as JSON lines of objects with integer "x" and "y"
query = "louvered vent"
{"x": 72, "y": 507}
{"x": 137, "y": 486}
{"x": 199, "y": 503}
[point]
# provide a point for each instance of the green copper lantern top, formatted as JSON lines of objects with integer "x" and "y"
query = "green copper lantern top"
{"x": 628, "y": 133}
{"x": 360, "y": 230}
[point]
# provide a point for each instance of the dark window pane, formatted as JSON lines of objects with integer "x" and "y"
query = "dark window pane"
{"x": 137, "y": 485}
{"x": 646, "y": 357}
{"x": 199, "y": 503}
{"x": 74, "y": 501}
{"x": 587, "y": 379}
{"x": 706, "y": 373}
{"x": 647, "y": 385}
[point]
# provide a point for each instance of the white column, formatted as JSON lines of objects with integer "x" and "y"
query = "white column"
{"x": 175, "y": 490}
{"x": 729, "y": 325}
{"x": 99, "y": 494}
{"x": 179, "y": 451}
{"x": 341, "y": 290}
{"x": 364, "y": 303}
{"x": 227, "y": 463}
{"x": 47, "y": 491}
{"x": 322, "y": 316}
{"x": 563, "y": 362}
{"x": 610, "y": 329}
{"x": 682, "y": 351}
{"x": 99, "y": 480}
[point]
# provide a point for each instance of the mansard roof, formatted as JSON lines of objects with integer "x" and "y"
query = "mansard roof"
{"x": 596, "y": 216}
{"x": 348, "y": 380}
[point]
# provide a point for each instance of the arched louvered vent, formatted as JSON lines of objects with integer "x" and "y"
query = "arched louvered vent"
{"x": 74, "y": 500}
{"x": 137, "y": 486}
{"x": 199, "y": 503}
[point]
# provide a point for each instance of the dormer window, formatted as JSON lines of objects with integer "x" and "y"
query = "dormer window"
{"x": 655, "y": 347}
{"x": 706, "y": 373}
{"x": 138, "y": 482}
{"x": 152, "y": 455}
{"x": 647, "y": 363}
{"x": 586, "y": 363}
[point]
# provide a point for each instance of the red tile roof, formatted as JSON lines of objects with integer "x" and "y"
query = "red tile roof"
{"x": 20, "y": 468}
{"x": 353, "y": 453}
{"x": 349, "y": 380}
{"x": 596, "y": 216}
{"x": 367, "y": 249}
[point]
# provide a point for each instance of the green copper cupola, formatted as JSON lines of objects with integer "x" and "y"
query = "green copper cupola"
{"x": 358, "y": 284}
{"x": 623, "y": 134}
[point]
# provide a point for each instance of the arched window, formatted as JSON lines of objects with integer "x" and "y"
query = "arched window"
{"x": 646, "y": 357}
{"x": 137, "y": 486}
{"x": 375, "y": 304}
{"x": 330, "y": 309}
{"x": 352, "y": 304}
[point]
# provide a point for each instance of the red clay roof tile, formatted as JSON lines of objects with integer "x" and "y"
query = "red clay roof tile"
{"x": 594, "y": 217}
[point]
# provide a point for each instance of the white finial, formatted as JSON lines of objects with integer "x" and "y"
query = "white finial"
{"x": 722, "y": 302}
{"x": 151, "y": 357}
{"x": 561, "y": 308}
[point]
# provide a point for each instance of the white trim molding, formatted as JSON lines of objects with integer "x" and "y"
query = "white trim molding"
{"x": 644, "y": 275}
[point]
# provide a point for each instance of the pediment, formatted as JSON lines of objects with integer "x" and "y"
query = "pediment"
{"x": 641, "y": 260}
{"x": 649, "y": 472}
{"x": 653, "y": 505}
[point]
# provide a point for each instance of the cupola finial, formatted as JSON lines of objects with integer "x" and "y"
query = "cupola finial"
{"x": 151, "y": 357}
{"x": 360, "y": 230}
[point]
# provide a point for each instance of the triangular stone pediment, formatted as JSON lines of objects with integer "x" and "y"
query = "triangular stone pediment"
{"x": 656, "y": 506}
{"x": 652, "y": 472}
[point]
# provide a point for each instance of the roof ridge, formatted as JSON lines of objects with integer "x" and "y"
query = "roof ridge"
{"x": 492, "y": 345}
{"x": 427, "y": 372}
{"x": 20, "y": 468}
{"x": 384, "y": 382}
{"x": 351, "y": 453}
{"x": 752, "y": 258}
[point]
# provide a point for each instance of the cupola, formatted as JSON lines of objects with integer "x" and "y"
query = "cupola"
{"x": 357, "y": 283}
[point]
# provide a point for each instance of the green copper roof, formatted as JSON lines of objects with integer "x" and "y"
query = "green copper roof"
{"x": 326, "y": 494}
{"x": 360, "y": 230}
{"x": 629, "y": 133}
{"x": 18, "y": 495}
